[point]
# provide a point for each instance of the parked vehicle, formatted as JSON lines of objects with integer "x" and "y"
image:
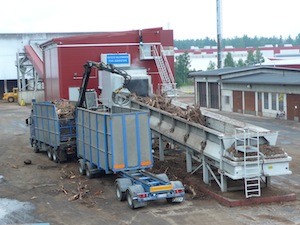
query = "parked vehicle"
{"x": 11, "y": 96}
{"x": 49, "y": 132}
{"x": 110, "y": 140}
{"x": 119, "y": 141}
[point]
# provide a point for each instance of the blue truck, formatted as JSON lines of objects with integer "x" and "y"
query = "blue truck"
{"x": 52, "y": 133}
{"x": 118, "y": 140}
{"x": 114, "y": 140}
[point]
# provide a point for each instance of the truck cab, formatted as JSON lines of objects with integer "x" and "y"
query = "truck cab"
{"x": 11, "y": 96}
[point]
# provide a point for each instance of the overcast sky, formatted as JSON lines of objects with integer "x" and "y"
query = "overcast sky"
{"x": 189, "y": 19}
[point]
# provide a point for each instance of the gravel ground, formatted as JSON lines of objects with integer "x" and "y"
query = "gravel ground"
{"x": 44, "y": 191}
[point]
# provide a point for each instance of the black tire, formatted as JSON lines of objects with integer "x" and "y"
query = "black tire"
{"x": 27, "y": 162}
{"x": 55, "y": 155}
{"x": 49, "y": 153}
{"x": 36, "y": 148}
{"x": 121, "y": 196}
{"x": 88, "y": 172}
{"x": 82, "y": 169}
{"x": 62, "y": 153}
{"x": 170, "y": 200}
{"x": 10, "y": 99}
{"x": 130, "y": 201}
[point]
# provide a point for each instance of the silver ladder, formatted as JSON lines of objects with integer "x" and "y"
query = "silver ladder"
{"x": 164, "y": 70}
{"x": 247, "y": 141}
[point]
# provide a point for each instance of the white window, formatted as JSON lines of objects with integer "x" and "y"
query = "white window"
{"x": 266, "y": 100}
{"x": 273, "y": 95}
{"x": 227, "y": 100}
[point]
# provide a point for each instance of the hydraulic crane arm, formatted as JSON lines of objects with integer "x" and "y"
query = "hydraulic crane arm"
{"x": 100, "y": 66}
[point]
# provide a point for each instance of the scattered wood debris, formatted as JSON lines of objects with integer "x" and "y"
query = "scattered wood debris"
{"x": 67, "y": 174}
{"x": 62, "y": 189}
{"x": 164, "y": 103}
{"x": 190, "y": 189}
{"x": 81, "y": 192}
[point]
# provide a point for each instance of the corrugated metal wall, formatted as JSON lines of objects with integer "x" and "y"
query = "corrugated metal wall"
{"x": 74, "y": 52}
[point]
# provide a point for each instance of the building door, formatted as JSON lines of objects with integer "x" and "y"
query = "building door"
{"x": 293, "y": 107}
{"x": 249, "y": 102}
{"x": 214, "y": 95}
{"x": 237, "y": 101}
{"x": 201, "y": 87}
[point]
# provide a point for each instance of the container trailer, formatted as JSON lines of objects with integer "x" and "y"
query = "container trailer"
{"x": 118, "y": 140}
{"x": 52, "y": 133}
{"x": 113, "y": 140}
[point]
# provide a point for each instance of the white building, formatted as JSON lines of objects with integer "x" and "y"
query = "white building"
{"x": 12, "y": 51}
{"x": 200, "y": 58}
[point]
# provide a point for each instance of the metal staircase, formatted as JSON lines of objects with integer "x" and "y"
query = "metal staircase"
{"x": 168, "y": 84}
{"x": 247, "y": 141}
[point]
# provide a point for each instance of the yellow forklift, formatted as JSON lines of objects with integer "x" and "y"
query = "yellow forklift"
{"x": 11, "y": 96}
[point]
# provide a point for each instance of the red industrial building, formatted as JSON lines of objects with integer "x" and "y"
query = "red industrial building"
{"x": 63, "y": 58}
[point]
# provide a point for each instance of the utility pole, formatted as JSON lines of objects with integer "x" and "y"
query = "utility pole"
{"x": 219, "y": 33}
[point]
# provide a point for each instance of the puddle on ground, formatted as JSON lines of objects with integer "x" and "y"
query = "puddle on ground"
{"x": 13, "y": 211}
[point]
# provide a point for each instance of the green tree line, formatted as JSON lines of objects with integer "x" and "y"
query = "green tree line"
{"x": 238, "y": 42}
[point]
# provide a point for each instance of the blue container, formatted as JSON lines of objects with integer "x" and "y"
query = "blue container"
{"x": 119, "y": 140}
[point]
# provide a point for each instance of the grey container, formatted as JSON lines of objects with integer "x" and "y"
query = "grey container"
{"x": 48, "y": 128}
{"x": 114, "y": 141}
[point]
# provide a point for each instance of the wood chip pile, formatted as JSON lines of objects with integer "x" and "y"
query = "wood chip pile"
{"x": 267, "y": 150}
{"x": 164, "y": 103}
{"x": 64, "y": 108}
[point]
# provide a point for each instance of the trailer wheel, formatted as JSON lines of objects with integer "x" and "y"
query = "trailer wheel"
{"x": 176, "y": 184}
{"x": 88, "y": 172}
{"x": 10, "y": 99}
{"x": 121, "y": 196}
{"x": 131, "y": 193}
{"x": 49, "y": 153}
{"x": 36, "y": 148}
{"x": 55, "y": 155}
{"x": 121, "y": 186}
{"x": 81, "y": 168}
{"x": 62, "y": 154}
{"x": 170, "y": 200}
{"x": 130, "y": 200}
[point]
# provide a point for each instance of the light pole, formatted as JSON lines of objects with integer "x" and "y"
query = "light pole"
{"x": 219, "y": 33}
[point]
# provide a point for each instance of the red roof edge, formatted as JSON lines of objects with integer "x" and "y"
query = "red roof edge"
{"x": 35, "y": 60}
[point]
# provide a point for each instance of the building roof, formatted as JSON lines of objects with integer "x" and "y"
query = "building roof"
{"x": 103, "y": 37}
{"x": 236, "y": 70}
{"x": 218, "y": 72}
{"x": 265, "y": 78}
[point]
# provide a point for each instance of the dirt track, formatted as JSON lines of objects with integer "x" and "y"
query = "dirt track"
{"x": 44, "y": 191}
